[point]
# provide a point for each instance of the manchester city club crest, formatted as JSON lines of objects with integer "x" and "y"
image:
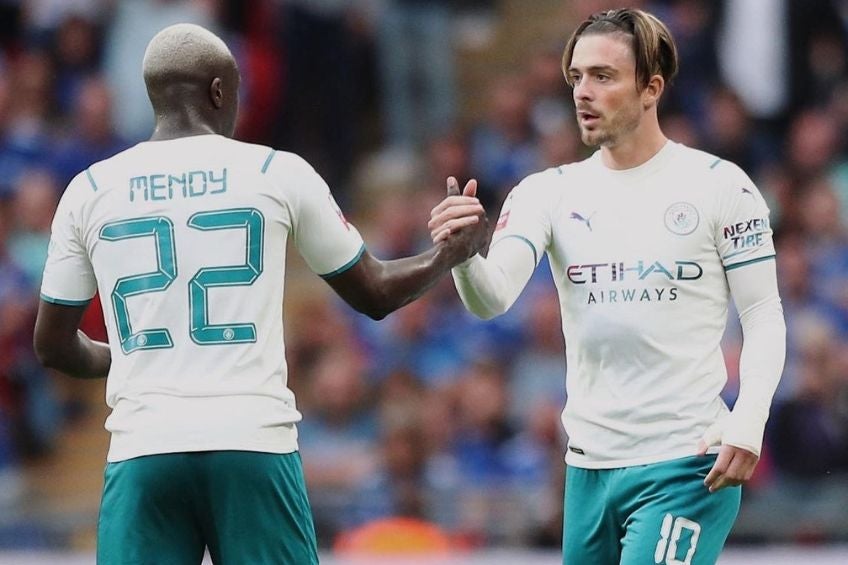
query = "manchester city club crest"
{"x": 681, "y": 218}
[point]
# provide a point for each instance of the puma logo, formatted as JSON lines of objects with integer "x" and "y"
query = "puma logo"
{"x": 579, "y": 217}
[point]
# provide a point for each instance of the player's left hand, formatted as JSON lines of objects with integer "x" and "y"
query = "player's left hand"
{"x": 733, "y": 466}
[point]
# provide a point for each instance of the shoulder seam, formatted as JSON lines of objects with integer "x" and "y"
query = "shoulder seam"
{"x": 268, "y": 160}
{"x": 91, "y": 179}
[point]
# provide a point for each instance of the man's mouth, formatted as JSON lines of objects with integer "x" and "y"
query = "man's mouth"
{"x": 587, "y": 118}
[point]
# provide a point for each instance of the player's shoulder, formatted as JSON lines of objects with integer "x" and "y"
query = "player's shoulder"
{"x": 723, "y": 180}
{"x": 108, "y": 164}
{"x": 707, "y": 165}
{"x": 555, "y": 179}
{"x": 280, "y": 163}
{"x": 266, "y": 159}
{"x": 257, "y": 156}
{"x": 80, "y": 187}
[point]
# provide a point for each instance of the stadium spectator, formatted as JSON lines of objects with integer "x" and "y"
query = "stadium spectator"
{"x": 810, "y": 431}
{"x": 90, "y": 136}
{"x": 503, "y": 148}
{"x": 416, "y": 62}
{"x": 75, "y": 49}
{"x": 25, "y": 137}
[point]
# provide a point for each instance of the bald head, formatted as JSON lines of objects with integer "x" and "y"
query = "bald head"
{"x": 190, "y": 72}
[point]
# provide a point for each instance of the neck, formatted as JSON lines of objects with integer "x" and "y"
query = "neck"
{"x": 183, "y": 123}
{"x": 635, "y": 147}
{"x": 165, "y": 132}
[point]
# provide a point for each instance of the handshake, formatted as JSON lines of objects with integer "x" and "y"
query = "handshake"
{"x": 458, "y": 224}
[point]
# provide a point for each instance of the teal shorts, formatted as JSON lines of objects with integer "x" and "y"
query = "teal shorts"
{"x": 658, "y": 514}
{"x": 245, "y": 507}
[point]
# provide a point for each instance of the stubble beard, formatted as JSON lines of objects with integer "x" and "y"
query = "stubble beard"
{"x": 595, "y": 138}
{"x": 607, "y": 135}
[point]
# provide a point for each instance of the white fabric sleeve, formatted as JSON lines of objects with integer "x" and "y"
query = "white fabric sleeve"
{"x": 488, "y": 287}
{"x": 324, "y": 238}
{"x": 743, "y": 232}
{"x": 68, "y": 277}
{"x": 754, "y": 291}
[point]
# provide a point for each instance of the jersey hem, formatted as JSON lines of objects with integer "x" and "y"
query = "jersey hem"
{"x": 118, "y": 455}
{"x": 574, "y": 459}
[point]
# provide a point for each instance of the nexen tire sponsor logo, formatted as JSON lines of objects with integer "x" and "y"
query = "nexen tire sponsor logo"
{"x": 641, "y": 270}
{"x": 748, "y": 233}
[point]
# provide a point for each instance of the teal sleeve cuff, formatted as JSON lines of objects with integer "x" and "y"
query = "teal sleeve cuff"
{"x": 347, "y": 265}
{"x": 64, "y": 302}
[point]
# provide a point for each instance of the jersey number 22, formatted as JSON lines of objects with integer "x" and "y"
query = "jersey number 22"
{"x": 161, "y": 229}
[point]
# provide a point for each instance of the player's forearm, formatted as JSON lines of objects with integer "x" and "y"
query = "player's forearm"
{"x": 377, "y": 288}
{"x": 398, "y": 282}
{"x": 754, "y": 290}
{"x": 760, "y": 367}
{"x": 488, "y": 287}
{"x": 79, "y": 357}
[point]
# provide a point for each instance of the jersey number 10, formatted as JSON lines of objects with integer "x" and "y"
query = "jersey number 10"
{"x": 161, "y": 229}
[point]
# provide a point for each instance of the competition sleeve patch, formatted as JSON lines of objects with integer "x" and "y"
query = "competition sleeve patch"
{"x": 338, "y": 211}
{"x": 506, "y": 209}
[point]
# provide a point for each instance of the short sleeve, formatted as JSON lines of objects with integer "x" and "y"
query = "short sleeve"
{"x": 324, "y": 238}
{"x": 743, "y": 232}
{"x": 68, "y": 275}
{"x": 525, "y": 216}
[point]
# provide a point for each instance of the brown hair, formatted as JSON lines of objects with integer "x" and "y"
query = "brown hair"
{"x": 652, "y": 43}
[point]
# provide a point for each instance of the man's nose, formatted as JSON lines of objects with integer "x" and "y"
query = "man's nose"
{"x": 581, "y": 90}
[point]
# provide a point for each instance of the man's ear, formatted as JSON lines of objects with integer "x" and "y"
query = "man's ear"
{"x": 216, "y": 93}
{"x": 653, "y": 90}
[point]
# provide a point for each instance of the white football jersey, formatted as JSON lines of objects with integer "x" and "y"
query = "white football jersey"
{"x": 639, "y": 259}
{"x": 185, "y": 240}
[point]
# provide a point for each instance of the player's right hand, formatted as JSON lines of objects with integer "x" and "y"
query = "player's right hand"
{"x": 456, "y": 211}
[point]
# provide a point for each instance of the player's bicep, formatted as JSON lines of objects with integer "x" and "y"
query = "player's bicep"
{"x": 524, "y": 218}
{"x": 753, "y": 285}
{"x": 743, "y": 230}
{"x": 55, "y": 327}
{"x": 322, "y": 235}
{"x": 68, "y": 277}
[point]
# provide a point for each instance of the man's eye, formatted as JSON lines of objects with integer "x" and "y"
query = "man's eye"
{"x": 603, "y": 78}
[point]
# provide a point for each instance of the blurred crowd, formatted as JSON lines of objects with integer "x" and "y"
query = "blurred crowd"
{"x": 432, "y": 413}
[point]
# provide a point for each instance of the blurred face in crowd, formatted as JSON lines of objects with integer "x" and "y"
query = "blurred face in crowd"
{"x": 813, "y": 141}
{"x": 509, "y": 107}
{"x": 35, "y": 201}
{"x": 94, "y": 110}
{"x": 603, "y": 76}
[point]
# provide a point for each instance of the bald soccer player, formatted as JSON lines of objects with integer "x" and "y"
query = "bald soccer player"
{"x": 184, "y": 236}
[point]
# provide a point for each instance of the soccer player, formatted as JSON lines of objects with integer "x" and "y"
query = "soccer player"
{"x": 185, "y": 238}
{"x": 647, "y": 240}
